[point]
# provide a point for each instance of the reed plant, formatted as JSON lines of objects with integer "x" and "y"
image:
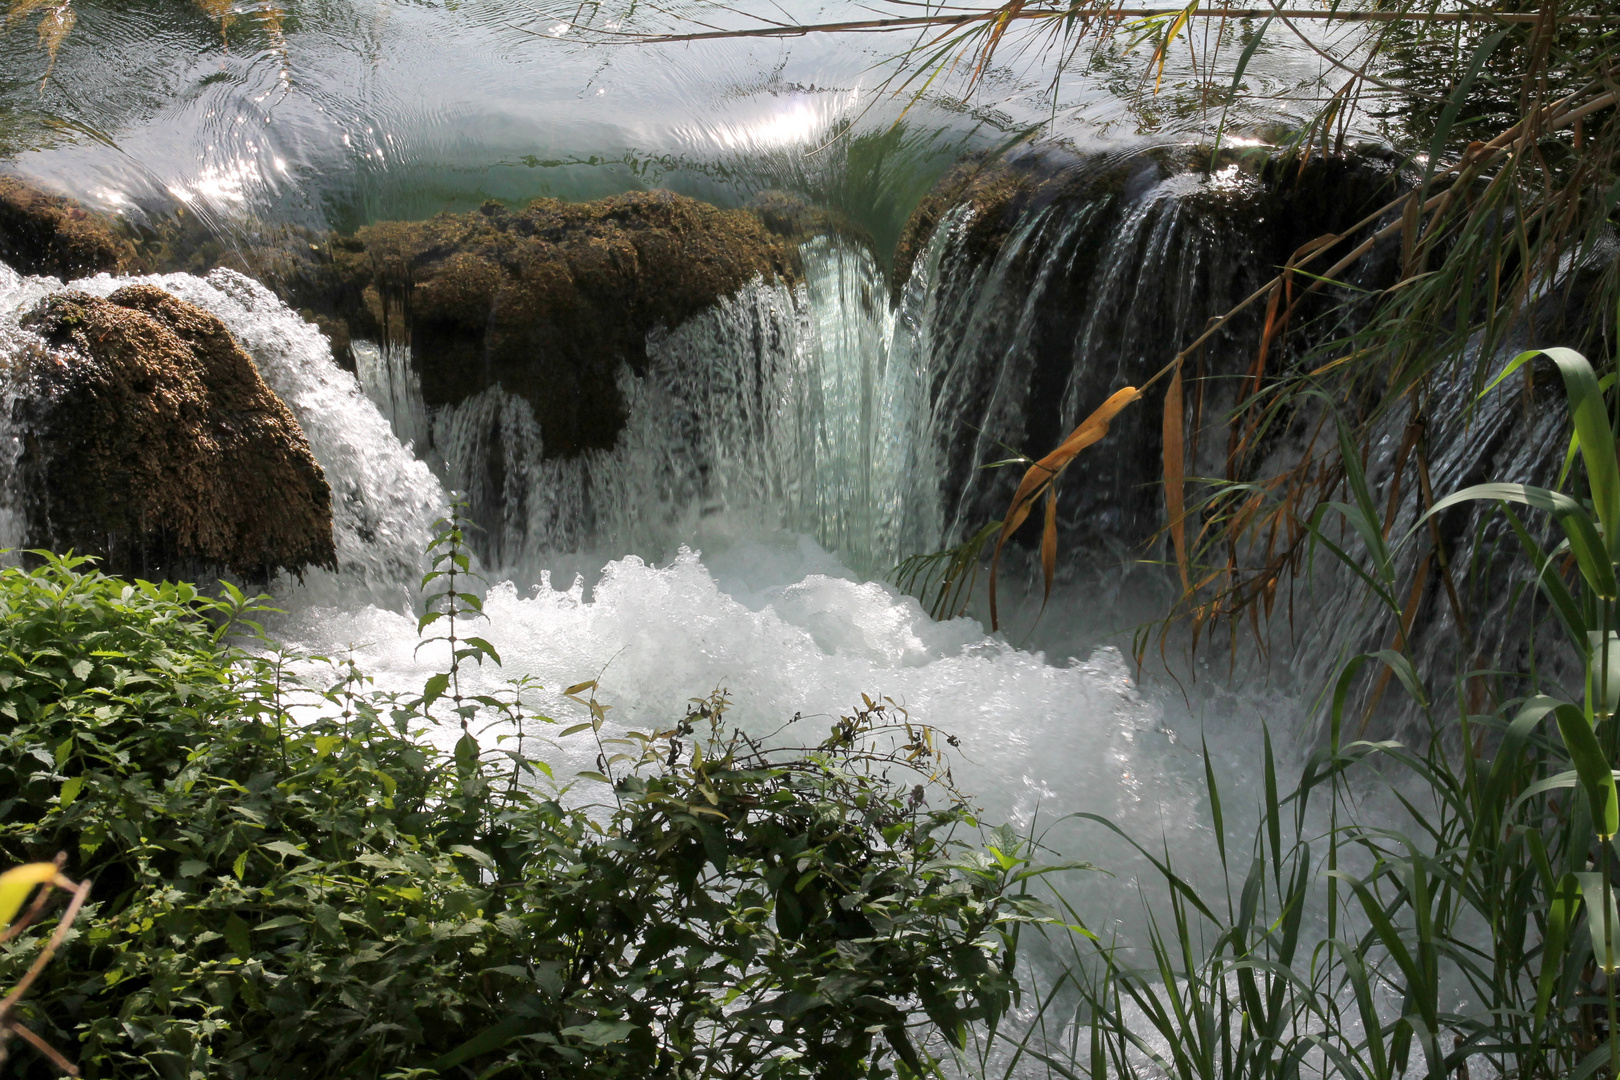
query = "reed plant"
{"x": 1442, "y": 906}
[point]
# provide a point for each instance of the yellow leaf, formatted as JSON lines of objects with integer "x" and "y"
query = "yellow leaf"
{"x": 17, "y": 883}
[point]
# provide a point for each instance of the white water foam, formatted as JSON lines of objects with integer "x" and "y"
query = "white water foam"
{"x": 767, "y": 614}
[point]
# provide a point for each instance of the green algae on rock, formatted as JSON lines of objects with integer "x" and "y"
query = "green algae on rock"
{"x": 153, "y": 443}
{"x": 548, "y": 301}
{"x": 41, "y": 233}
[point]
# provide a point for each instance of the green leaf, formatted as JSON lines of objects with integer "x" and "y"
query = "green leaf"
{"x": 1596, "y": 565}
{"x": 70, "y": 791}
{"x": 484, "y": 647}
{"x": 1459, "y": 95}
{"x": 237, "y": 936}
{"x": 1603, "y": 669}
{"x": 435, "y": 688}
{"x": 467, "y": 753}
{"x": 1602, "y": 919}
{"x": 600, "y": 1032}
{"x": 1560, "y": 914}
{"x": 491, "y": 1038}
{"x": 1592, "y": 767}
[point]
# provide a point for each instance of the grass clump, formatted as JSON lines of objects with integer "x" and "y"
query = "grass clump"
{"x": 1443, "y": 906}
{"x": 332, "y": 896}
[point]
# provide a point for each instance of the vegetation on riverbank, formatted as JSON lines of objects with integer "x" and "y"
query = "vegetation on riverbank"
{"x": 292, "y": 880}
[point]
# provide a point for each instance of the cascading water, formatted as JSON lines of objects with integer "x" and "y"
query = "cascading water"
{"x": 779, "y": 409}
{"x": 383, "y": 501}
{"x": 776, "y": 408}
{"x": 782, "y": 450}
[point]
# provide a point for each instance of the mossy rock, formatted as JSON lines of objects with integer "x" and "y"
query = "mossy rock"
{"x": 549, "y": 301}
{"x": 41, "y": 233}
{"x": 153, "y": 443}
{"x": 1326, "y": 192}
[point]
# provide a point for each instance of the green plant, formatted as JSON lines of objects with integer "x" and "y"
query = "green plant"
{"x": 290, "y": 881}
{"x": 1483, "y": 927}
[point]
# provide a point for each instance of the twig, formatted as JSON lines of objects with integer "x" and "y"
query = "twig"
{"x": 8, "y": 1026}
{"x": 1116, "y": 14}
{"x": 45, "y": 1048}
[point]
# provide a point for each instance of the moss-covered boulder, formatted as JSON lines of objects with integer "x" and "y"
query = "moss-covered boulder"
{"x": 41, "y": 233}
{"x": 548, "y": 301}
{"x": 153, "y": 443}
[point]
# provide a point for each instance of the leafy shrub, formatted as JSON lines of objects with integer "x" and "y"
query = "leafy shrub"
{"x": 336, "y": 897}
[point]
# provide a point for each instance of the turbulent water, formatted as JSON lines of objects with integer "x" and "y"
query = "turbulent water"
{"x": 755, "y": 606}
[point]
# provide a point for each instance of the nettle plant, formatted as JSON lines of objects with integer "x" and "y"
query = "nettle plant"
{"x": 288, "y": 880}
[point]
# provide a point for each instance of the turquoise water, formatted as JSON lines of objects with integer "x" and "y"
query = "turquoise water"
{"x": 344, "y": 111}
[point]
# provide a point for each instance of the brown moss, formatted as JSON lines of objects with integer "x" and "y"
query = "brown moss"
{"x": 42, "y": 233}
{"x": 154, "y": 443}
{"x": 547, "y": 301}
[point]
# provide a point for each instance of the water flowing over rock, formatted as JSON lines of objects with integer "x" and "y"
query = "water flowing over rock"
{"x": 151, "y": 440}
{"x": 547, "y": 302}
{"x": 1042, "y": 282}
{"x": 42, "y": 233}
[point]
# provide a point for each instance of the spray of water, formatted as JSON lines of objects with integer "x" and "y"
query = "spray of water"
{"x": 778, "y": 449}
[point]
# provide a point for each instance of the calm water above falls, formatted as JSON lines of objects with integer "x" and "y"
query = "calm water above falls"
{"x": 355, "y": 110}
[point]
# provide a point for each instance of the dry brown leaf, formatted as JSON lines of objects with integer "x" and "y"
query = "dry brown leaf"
{"x": 1175, "y": 472}
{"x": 1041, "y": 475}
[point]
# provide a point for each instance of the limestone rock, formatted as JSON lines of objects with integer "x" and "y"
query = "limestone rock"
{"x": 153, "y": 443}
{"x": 548, "y": 301}
{"x": 42, "y": 233}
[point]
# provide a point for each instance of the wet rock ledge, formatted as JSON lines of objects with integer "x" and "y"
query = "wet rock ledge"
{"x": 41, "y": 233}
{"x": 151, "y": 441}
{"x": 547, "y": 301}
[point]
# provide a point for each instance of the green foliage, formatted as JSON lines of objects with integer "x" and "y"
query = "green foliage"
{"x": 292, "y": 882}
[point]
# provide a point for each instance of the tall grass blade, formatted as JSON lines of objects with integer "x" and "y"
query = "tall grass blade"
{"x": 1592, "y": 766}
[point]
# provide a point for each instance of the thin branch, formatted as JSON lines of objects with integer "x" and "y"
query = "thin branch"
{"x": 1116, "y": 14}
{"x": 81, "y": 891}
{"x": 45, "y": 1048}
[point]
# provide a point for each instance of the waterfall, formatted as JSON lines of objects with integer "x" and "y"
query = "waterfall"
{"x": 769, "y": 411}
{"x": 779, "y": 407}
{"x": 384, "y": 501}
